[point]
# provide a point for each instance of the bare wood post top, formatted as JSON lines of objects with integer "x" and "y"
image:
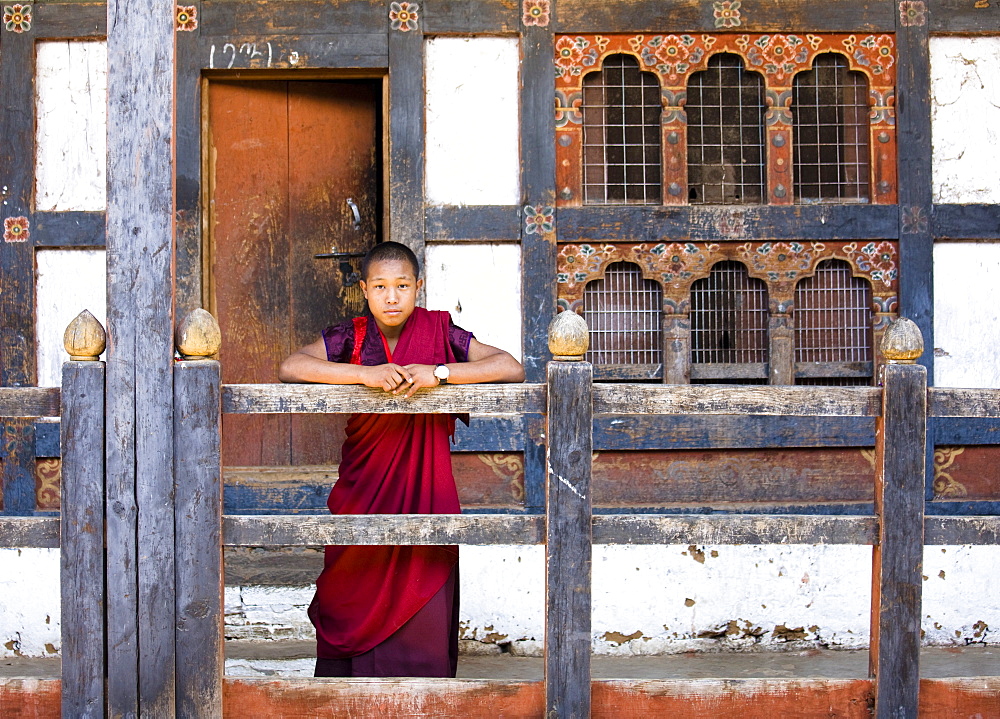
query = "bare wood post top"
{"x": 568, "y": 337}
{"x": 902, "y": 342}
{"x": 85, "y": 338}
{"x": 198, "y": 336}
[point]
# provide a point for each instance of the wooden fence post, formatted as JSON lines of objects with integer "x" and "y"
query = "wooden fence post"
{"x": 897, "y": 557}
{"x": 569, "y": 429}
{"x": 82, "y": 520}
{"x": 198, "y": 518}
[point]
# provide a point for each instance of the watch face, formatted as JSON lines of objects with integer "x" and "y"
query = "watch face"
{"x": 441, "y": 372}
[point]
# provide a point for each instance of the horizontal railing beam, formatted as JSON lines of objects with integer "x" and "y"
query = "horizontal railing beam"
{"x": 734, "y": 400}
{"x": 948, "y": 402}
{"x": 962, "y": 530}
{"x": 35, "y": 532}
{"x": 733, "y": 529}
{"x": 305, "y": 398}
{"x": 29, "y": 401}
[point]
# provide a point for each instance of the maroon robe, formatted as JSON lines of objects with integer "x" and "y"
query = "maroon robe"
{"x": 391, "y": 464}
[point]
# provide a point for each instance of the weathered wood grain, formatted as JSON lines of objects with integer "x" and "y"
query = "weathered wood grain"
{"x": 967, "y": 222}
{"x": 72, "y": 19}
{"x": 41, "y": 532}
{"x": 628, "y": 373}
{"x": 258, "y": 17}
{"x": 732, "y": 529}
{"x": 477, "y": 399}
{"x": 29, "y": 402}
{"x": 359, "y": 53}
{"x": 568, "y": 540}
{"x": 962, "y": 530}
{"x": 82, "y": 579}
{"x": 964, "y": 16}
{"x": 379, "y": 529}
{"x": 471, "y": 16}
{"x": 897, "y": 558}
{"x": 488, "y": 223}
{"x": 68, "y": 229}
{"x": 948, "y": 402}
{"x": 734, "y": 400}
{"x": 198, "y": 527}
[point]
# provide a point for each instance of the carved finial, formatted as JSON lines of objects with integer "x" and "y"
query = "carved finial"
{"x": 902, "y": 342}
{"x": 568, "y": 337}
{"x": 85, "y": 338}
{"x": 198, "y": 335}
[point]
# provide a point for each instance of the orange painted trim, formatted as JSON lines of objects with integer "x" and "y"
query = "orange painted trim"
{"x": 30, "y": 698}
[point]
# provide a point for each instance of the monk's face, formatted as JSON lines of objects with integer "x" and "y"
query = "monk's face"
{"x": 391, "y": 290}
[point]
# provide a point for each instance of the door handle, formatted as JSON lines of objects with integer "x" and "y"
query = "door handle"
{"x": 356, "y": 212}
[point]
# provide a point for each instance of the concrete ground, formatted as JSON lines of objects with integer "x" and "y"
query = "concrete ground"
{"x": 295, "y": 659}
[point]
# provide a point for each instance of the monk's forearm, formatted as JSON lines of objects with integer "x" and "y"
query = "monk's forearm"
{"x": 301, "y": 367}
{"x": 500, "y": 367}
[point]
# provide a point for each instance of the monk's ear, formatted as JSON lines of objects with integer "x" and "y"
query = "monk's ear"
{"x": 364, "y": 288}
{"x": 420, "y": 283}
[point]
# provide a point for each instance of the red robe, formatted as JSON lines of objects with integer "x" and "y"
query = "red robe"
{"x": 391, "y": 464}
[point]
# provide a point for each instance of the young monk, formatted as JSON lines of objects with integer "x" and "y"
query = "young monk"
{"x": 393, "y": 611}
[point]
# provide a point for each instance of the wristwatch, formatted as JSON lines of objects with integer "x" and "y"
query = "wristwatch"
{"x": 442, "y": 372}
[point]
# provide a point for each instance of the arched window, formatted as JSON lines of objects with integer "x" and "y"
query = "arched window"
{"x": 621, "y": 134}
{"x": 624, "y": 312}
{"x": 833, "y": 327}
{"x": 725, "y": 134}
{"x": 830, "y": 111}
{"x": 729, "y": 318}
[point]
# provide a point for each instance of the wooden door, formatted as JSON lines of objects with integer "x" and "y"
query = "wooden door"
{"x": 284, "y": 159}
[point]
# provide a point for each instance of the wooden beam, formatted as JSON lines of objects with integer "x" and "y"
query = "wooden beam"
{"x": 732, "y": 529}
{"x": 29, "y": 402}
{"x": 139, "y": 445}
{"x": 568, "y": 540}
{"x": 40, "y": 532}
{"x": 68, "y": 229}
{"x": 471, "y": 16}
{"x": 198, "y": 522}
{"x": 967, "y": 222}
{"x": 490, "y": 223}
{"x": 948, "y": 402}
{"x": 962, "y": 530}
{"x": 81, "y": 559}
{"x": 897, "y": 558}
{"x": 237, "y": 20}
{"x": 736, "y": 400}
{"x": 58, "y": 21}
{"x": 964, "y": 16}
{"x": 477, "y": 399}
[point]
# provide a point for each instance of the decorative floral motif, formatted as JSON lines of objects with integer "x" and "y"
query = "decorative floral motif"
{"x": 572, "y": 55}
{"x": 672, "y": 55}
{"x": 780, "y": 260}
{"x": 945, "y": 486}
{"x": 878, "y": 261}
{"x": 187, "y": 18}
{"x": 404, "y": 16}
{"x": 510, "y": 468}
{"x": 676, "y": 260}
{"x": 16, "y": 229}
{"x": 727, "y": 14}
{"x": 875, "y": 53}
{"x": 914, "y": 220}
{"x": 539, "y": 219}
{"x": 568, "y": 108}
{"x": 535, "y": 12}
{"x": 17, "y": 18}
{"x": 47, "y": 474}
{"x": 779, "y": 55}
{"x": 576, "y": 264}
{"x": 912, "y": 13}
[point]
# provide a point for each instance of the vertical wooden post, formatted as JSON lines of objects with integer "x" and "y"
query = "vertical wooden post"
{"x": 569, "y": 431}
{"x": 139, "y": 445}
{"x": 198, "y": 518}
{"x": 676, "y": 341}
{"x": 81, "y": 527}
{"x": 900, "y": 433}
{"x": 781, "y": 333}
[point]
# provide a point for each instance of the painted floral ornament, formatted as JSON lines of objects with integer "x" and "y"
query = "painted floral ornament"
{"x": 17, "y": 18}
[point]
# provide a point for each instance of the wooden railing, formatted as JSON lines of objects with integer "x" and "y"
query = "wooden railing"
{"x": 569, "y": 400}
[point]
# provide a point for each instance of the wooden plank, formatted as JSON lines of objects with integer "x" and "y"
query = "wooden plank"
{"x": 139, "y": 452}
{"x": 732, "y": 222}
{"x": 189, "y": 126}
{"x": 964, "y": 16}
{"x": 69, "y": 20}
{"x": 568, "y": 540}
{"x": 488, "y": 223}
{"x": 81, "y": 559}
{"x": 471, "y": 16}
{"x": 476, "y": 399}
{"x": 967, "y": 222}
{"x": 949, "y": 402}
{"x": 198, "y": 522}
{"x": 628, "y": 373}
{"x": 489, "y": 434}
{"x": 725, "y": 371}
{"x": 68, "y": 229}
{"x": 379, "y": 529}
{"x": 733, "y": 529}
{"x": 41, "y": 532}
{"x": 304, "y": 17}
{"x": 29, "y": 402}
{"x": 697, "y": 16}
{"x": 366, "y": 51}
{"x": 29, "y": 698}
{"x": 734, "y": 400}
{"x": 47, "y": 439}
{"x": 962, "y": 530}
{"x": 897, "y": 558}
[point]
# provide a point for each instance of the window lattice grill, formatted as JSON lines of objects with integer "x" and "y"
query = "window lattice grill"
{"x": 621, "y": 134}
{"x": 729, "y": 317}
{"x": 831, "y": 129}
{"x": 624, "y": 313}
{"x": 725, "y": 116}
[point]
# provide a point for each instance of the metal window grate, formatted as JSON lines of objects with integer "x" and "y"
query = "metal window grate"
{"x": 830, "y": 111}
{"x": 833, "y": 326}
{"x": 624, "y": 312}
{"x": 621, "y": 134}
{"x": 729, "y": 317}
{"x": 725, "y": 135}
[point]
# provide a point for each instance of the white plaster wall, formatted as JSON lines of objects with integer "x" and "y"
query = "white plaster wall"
{"x": 471, "y": 154}
{"x": 967, "y": 315}
{"x": 29, "y": 602}
{"x": 965, "y": 107}
{"x": 66, "y": 283}
{"x": 481, "y": 286}
{"x": 71, "y": 111}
